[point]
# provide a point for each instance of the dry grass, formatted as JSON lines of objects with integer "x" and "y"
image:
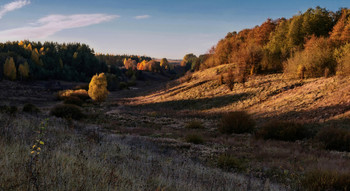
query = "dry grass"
{"x": 69, "y": 160}
{"x": 268, "y": 96}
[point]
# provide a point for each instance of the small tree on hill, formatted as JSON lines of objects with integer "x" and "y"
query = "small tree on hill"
{"x": 164, "y": 64}
{"x": 10, "y": 69}
{"x": 98, "y": 87}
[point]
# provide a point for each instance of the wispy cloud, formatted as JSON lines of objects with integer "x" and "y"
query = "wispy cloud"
{"x": 13, "y": 6}
{"x": 52, "y": 24}
{"x": 142, "y": 17}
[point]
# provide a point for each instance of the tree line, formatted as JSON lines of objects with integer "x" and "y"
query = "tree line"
{"x": 26, "y": 60}
{"x": 310, "y": 44}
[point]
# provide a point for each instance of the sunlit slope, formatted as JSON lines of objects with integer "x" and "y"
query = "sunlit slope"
{"x": 265, "y": 96}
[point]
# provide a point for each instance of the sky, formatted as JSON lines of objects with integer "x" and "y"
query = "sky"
{"x": 156, "y": 28}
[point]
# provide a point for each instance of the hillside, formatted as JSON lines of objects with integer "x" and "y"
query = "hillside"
{"x": 264, "y": 96}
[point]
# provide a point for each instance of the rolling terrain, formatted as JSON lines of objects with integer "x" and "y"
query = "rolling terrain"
{"x": 138, "y": 138}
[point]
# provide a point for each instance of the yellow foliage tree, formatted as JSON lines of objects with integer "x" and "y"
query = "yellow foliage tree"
{"x": 21, "y": 43}
{"x": 24, "y": 70}
{"x": 35, "y": 57}
{"x": 98, "y": 87}
{"x": 10, "y": 69}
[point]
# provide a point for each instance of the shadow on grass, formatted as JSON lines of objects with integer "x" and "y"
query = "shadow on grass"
{"x": 316, "y": 116}
{"x": 197, "y": 104}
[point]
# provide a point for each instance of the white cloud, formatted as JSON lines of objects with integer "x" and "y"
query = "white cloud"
{"x": 52, "y": 24}
{"x": 13, "y": 6}
{"x": 142, "y": 17}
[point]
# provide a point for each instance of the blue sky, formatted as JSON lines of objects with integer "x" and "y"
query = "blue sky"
{"x": 157, "y": 28}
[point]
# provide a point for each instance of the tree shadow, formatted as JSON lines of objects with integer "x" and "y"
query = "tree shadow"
{"x": 197, "y": 104}
{"x": 318, "y": 115}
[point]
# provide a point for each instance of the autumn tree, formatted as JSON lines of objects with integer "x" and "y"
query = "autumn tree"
{"x": 263, "y": 32}
{"x": 23, "y": 70}
{"x": 36, "y": 58}
{"x": 98, "y": 87}
{"x": 130, "y": 64}
{"x": 10, "y": 69}
{"x": 164, "y": 64}
{"x": 188, "y": 60}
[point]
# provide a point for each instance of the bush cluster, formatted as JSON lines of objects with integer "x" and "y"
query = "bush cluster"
{"x": 230, "y": 162}
{"x": 283, "y": 130}
{"x": 194, "y": 138}
{"x": 30, "y": 108}
{"x": 73, "y": 100}
{"x": 8, "y": 109}
{"x": 67, "y": 111}
{"x": 334, "y": 138}
{"x": 194, "y": 125}
{"x": 326, "y": 180}
{"x": 236, "y": 122}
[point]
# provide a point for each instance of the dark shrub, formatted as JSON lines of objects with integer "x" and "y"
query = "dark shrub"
{"x": 73, "y": 100}
{"x": 30, "y": 108}
{"x": 194, "y": 125}
{"x": 230, "y": 79}
{"x": 8, "y": 109}
{"x": 230, "y": 162}
{"x": 67, "y": 111}
{"x": 194, "y": 138}
{"x": 326, "y": 180}
{"x": 236, "y": 122}
{"x": 334, "y": 138}
{"x": 123, "y": 85}
{"x": 112, "y": 82}
{"x": 283, "y": 130}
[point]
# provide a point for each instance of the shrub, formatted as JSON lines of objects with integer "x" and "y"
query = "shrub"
{"x": 67, "y": 111}
{"x": 98, "y": 87}
{"x": 334, "y": 138}
{"x": 123, "y": 85}
{"x": 194, "y": 138}
{"x": 230, "y": 79}
{"x": 81, "y": 94}
{"x": 8, "y": 109}
{"x": 236, "y": 122}
{"x": 326, "y": 180}
{"x": 283, "y": 130}
{"x": 112, "y": 82}
{"x": 230, "y": 162}
{"x": 30, "y": 108}
{"x": 194, "y": 125}
{"x": 73, "y": 100}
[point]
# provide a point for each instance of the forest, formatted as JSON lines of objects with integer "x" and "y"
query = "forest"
{"x": 310, "y": 44}
{"x": 27, "y": 60}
